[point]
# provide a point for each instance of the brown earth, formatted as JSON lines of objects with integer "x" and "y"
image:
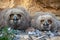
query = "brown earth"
{"x": 33, "y": 5}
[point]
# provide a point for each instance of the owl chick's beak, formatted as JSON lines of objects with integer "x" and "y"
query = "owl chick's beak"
{"x": 46, "y": 24}
{"x": 15, "y": 19}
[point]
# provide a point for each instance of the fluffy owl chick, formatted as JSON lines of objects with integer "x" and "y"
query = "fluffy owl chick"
{"x": 16, "y": 18}
{"x": 45, "y": 21}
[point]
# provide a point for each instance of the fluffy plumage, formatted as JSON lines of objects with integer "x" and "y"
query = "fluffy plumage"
{"x": 16, "y": 18}
{"x": 45, "y": 21}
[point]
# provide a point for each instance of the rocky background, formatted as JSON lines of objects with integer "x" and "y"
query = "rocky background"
{"x": 34, "y": 6}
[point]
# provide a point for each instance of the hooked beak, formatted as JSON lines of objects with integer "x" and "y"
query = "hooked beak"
{"x": 15, "y": 19}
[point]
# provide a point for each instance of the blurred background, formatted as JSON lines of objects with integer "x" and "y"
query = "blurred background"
{"x": 33, "y": 5}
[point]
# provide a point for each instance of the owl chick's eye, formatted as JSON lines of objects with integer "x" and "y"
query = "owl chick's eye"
{"x": 19, "y": 15}
{"x": 50, "y": 21}
{"x": 11, "y": 16}
{"x": 41, "y": 21}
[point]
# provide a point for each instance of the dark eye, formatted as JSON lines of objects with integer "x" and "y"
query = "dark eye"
{"x": 19, "y": 15}
{"x": 50, "y": 21}
{"x": 11, "y": 16}
{"x": 41, "y": 21}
